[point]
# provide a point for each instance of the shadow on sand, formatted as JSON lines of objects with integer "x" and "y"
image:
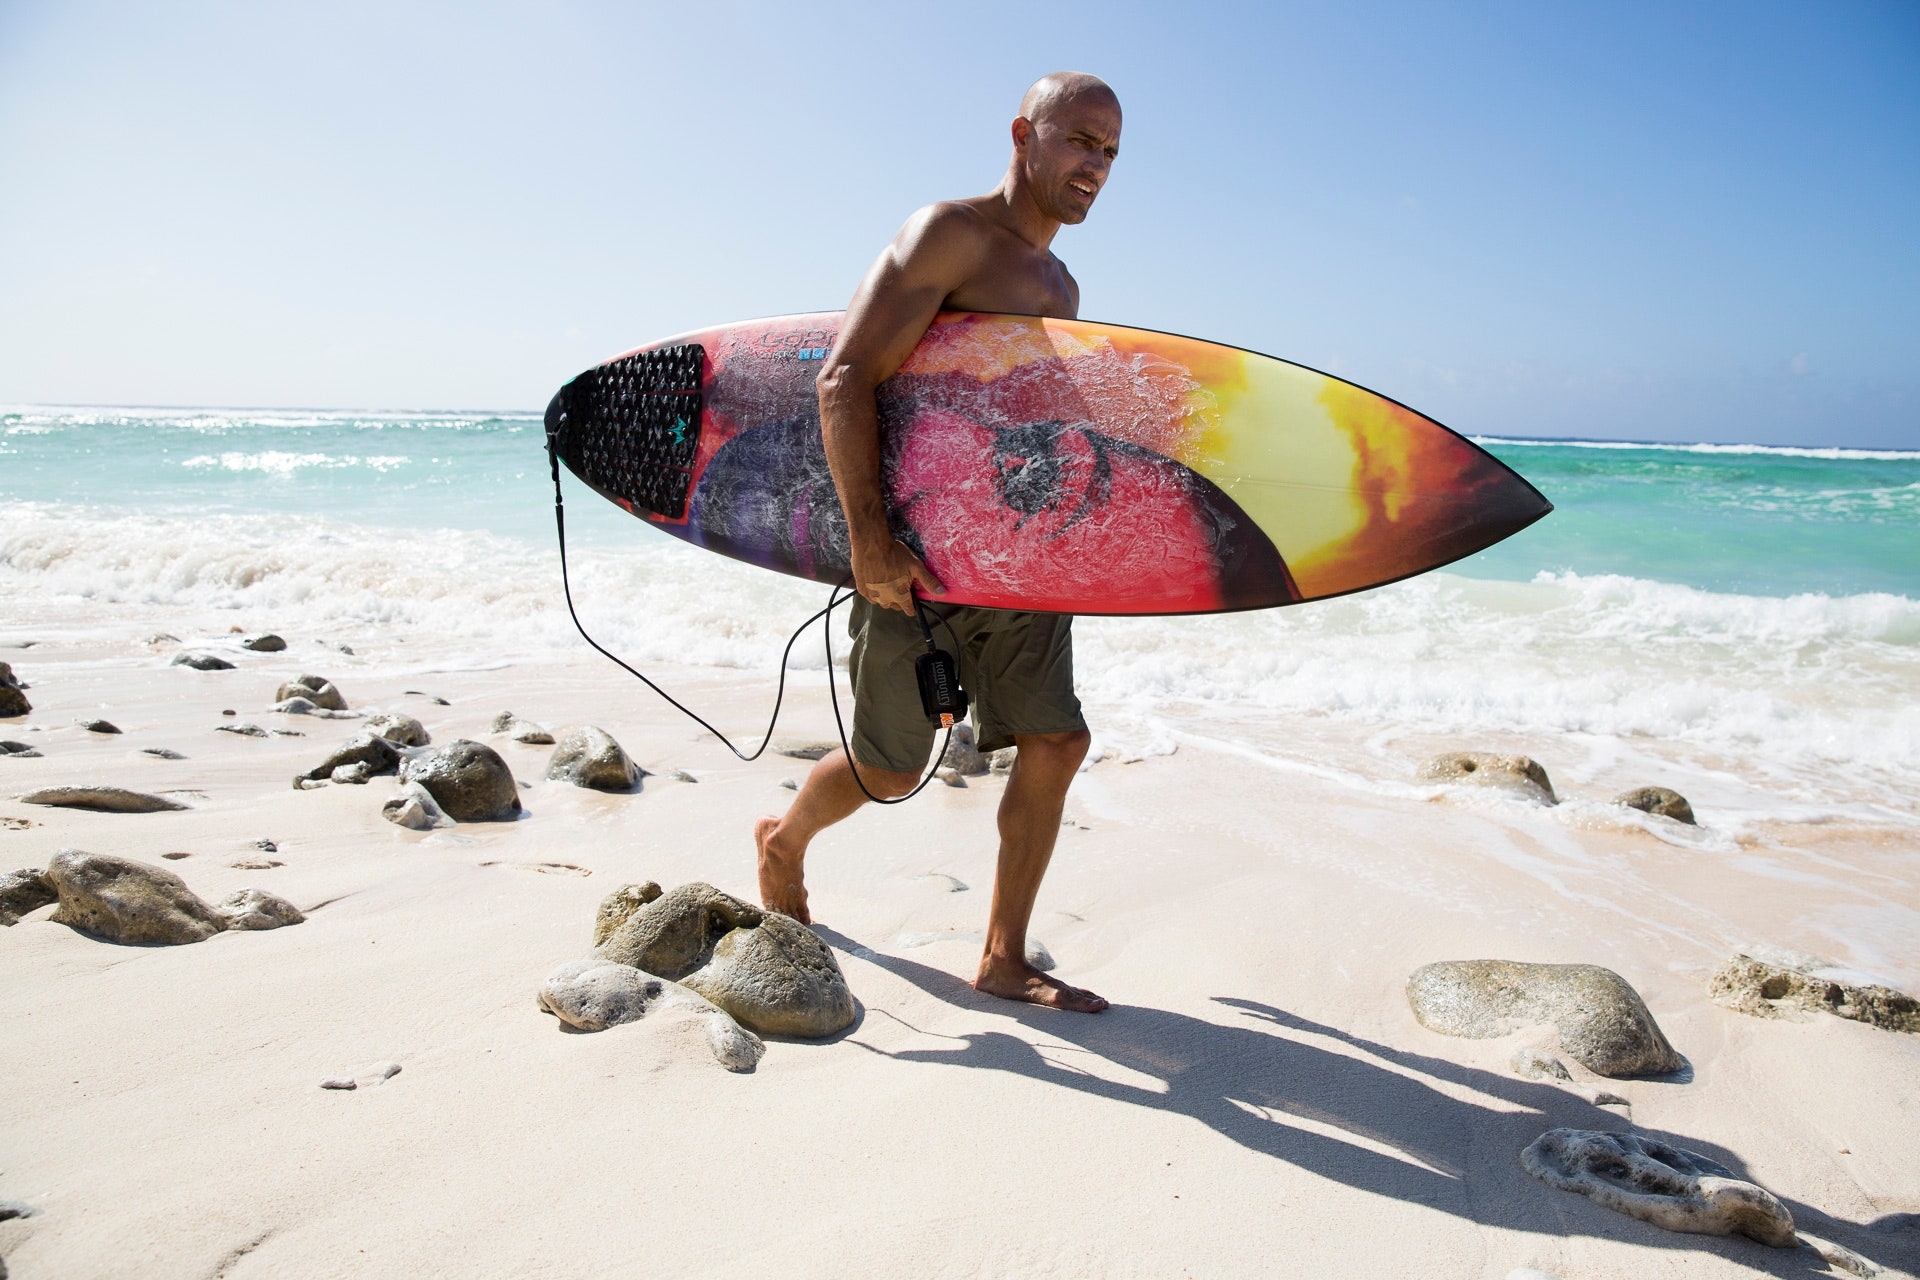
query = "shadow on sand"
{"x": 1379, "y": 1119}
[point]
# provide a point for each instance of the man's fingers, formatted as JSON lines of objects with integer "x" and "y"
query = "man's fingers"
{"x": 927, "y": 582}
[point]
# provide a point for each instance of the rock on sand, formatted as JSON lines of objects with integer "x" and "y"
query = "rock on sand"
{"x": 1767, "y": 990}
{"x": 772, "y": 973}
{"x": 201, "y": 662}
{"x": 131, "y": 902}
{"x": 401, "y": 730}
{"x": 265, "y": 643}
{"x": 101, "y": 799}
{"x": 1603, "y": 1023}
{"x": 617, "y": 907}
{"x": 318, "y": 690}
{"x": 588, "y": 756}
{"x": 27, "y": 889}
{"x": 247, "y": 909}
{"x": 1649, "y": 1180}
{"x": 803, "y": 748}
{"x": 1659, "y": 801}
{"x": 12, "y": 701}
{"x": 525, "y": 732}
{"x": 364, "y": 748}
{"x": 415, "y": 808}
{"x": 962, "y": 757}
{"x": 1521, "y": 775}
{"x": 594, "y": 994}
{"x": 467, "y": 779}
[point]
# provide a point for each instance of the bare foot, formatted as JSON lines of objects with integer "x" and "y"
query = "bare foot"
{"x": 1018, "y": 980}
{"x": 783, "y": 887}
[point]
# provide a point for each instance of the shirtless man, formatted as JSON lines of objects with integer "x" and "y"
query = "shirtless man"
{"x": 989, "y": 253}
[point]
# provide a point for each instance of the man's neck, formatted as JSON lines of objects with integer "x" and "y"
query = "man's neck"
{"x": 1016, "y": 210}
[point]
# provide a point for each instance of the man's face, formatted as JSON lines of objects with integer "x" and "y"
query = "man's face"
{"x": 1068, "y": 153}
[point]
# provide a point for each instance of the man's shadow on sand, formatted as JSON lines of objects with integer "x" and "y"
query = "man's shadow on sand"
{"x": 1360, "y": 1113}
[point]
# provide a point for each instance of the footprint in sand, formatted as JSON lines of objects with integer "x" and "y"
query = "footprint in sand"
{"x": 952, "y": 884}
{"x": 543, "y": 868}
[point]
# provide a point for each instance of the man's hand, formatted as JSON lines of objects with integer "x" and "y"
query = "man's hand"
{"x": 887, "y": 573}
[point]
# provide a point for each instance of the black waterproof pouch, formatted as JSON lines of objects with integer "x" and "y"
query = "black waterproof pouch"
{"x": 941, "y": 696}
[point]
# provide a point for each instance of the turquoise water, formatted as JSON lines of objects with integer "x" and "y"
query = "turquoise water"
{"x": 1756, "y": 521}
{"x": 1759, "y": 521}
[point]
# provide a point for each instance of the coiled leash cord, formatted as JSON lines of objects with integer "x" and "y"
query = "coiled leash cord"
{"x": 834, "y": 601}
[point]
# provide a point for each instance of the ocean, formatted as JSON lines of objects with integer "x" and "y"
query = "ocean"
{"x": 1733, "y": 612}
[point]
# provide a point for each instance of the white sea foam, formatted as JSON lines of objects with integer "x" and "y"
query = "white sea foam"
{"x": 280, "y": 462}
{"x": 1804, "y": 688}
{"x": 1831, "y": 454}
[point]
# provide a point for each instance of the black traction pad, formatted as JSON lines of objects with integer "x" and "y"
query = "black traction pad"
{"x": 630, "y": 428}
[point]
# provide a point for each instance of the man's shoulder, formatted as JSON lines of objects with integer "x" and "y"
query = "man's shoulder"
{"x": 948, "y": 226}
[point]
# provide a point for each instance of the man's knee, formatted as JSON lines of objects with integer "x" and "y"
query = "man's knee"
{"x": 884, "y": 784}
{"x": 1066, "y": 749}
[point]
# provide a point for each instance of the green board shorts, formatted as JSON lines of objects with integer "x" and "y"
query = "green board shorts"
{"x": 1017, "y": 669}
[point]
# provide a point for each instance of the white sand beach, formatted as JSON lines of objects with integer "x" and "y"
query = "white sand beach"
{"x": 1259, "y": 1101}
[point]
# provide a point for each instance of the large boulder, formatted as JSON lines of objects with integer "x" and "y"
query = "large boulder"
{"x": 1771, "y": 991}
{"x": 1659, "y": 801}
{"x": 587, "y": 756}
{"x": 22, "y": 891}
{"x": 777, "y": 978}
{"x": 1665, "y": 1185}
{"x": 101, "y": 799}
{"x": 676, "y": 932}
{"x": 318, "y": 690}
{"x": 1603, "y": 1023}
{"x": 1520, "y": 775}
{"x": 769, "y": 971}
{"x": 12, "y": 701}
{"x": 126, "y": 901}
{"x": 467, "y": 779}
{"x": 400, "y": 729}
{"x": 364, "y": 748}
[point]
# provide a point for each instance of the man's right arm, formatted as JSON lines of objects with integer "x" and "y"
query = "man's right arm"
{"x": 935, "y": 252}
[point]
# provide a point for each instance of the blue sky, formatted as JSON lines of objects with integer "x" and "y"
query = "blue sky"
{"x": 1650, "y": 221}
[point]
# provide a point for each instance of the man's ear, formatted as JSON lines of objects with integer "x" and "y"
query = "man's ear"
{"x": 1022, "y": 130}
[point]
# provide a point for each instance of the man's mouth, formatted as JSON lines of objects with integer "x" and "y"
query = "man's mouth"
{"x": 1082, "y": 189}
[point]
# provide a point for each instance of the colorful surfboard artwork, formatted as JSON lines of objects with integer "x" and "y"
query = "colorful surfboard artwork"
{"x": 1053, "y": 465}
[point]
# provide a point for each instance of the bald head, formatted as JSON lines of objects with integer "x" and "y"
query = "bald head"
{"x": 1050, "y": 93}
{"x": 1064, "y": 144}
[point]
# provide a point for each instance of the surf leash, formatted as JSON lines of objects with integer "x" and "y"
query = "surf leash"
{"x": 834, "y": 601}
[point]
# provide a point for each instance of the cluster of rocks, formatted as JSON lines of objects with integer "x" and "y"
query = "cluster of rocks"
{"x": 745, "y": 972}
{"x": 1525, "y": 778}
{"x": 132, "y": 902}
{"x": 1602, "y": 1023}
{"x": 463, "y": 780}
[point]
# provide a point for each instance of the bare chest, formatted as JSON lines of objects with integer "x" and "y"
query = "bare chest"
{"x": 1019, "y": 283}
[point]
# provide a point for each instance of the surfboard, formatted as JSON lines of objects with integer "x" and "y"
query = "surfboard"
{"x": 1052, "y": 465}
